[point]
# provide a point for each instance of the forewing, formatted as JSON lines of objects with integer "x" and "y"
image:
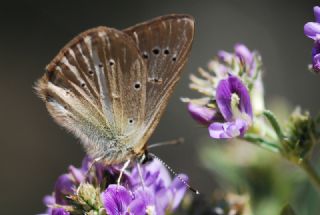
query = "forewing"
{"x": 165, "y": 43}
{"x": 96, "y": 88}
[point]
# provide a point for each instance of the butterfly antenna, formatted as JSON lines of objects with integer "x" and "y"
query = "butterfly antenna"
{"x": 169, "y": 142}
{"x": 175, "y": 174}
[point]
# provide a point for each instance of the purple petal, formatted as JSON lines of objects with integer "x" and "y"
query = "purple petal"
{"x": 228, "y": 130}
{"x": 241, "y": 90}
{"x": 223, "y": 97}
{"x": 48, "y": 200}
{"x": 316, "y": 63}
{"x": 201, "y": 114}
{"x": 116, "y": 199}
{"x": 316, "y": 11}
{"x": 225, "y": 56}
{"x": 64, "y": 186}
{"x": 224, "y": 93}
{"x": 100, "y": 170}
{"x": 244, "y": 54}
{"x": 312, "y": 29}
{"x": 144, "y": 198}
{"x": 155, "y": 174}
{"x": 155, "y": 166}
{"x": 86, "y": 162}
{"x": 150, "y": 178}
{"x": 178, "y": 188}
{"x": 163, "y": 198}
{"x": 77, "y": 174}
{"x": 170, "y": 198}
{"x": 59, "y": 211}
{"x": 315, "y": 50}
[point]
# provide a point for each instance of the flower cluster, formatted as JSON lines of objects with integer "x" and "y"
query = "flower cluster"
{"x": 94, "y": 190}
{"x": 229, "y": 103}
{"x": 312, "y": 30}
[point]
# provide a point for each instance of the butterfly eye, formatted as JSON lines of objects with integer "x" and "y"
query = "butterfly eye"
{"x": 166, "y": 52}
{"x": 137, "y": 85}
{"x": 111, "y": 62}
{"x": 156, "y": 51}
{"x": 83, "y": 84}
{"x": 145, "y": 55}
{"x": 90, "y": 72}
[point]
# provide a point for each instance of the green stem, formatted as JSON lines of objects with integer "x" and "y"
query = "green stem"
{"x": 256, "y": 140}
{"x": 311, "y": 172}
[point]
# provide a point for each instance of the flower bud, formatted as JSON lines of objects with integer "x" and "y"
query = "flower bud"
{"x": 89, "y": 196}
{"x": 300, "y": 136}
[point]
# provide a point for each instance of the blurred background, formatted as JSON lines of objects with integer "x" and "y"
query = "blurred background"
{"x": 35, "y": 151}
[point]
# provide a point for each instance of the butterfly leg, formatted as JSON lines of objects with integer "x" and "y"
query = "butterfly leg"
{"x": 140, "y": 175}
{"x": 92, "y": 164}
{"x": 125, "y": 165}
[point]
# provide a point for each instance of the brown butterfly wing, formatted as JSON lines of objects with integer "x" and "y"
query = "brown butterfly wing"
{"x": 165, "y": 43}
{"x": 96, "y": 88}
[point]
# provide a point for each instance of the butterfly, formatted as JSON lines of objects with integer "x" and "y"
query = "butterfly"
{"x": 110, "y": 87}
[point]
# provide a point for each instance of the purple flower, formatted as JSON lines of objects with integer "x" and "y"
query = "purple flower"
{"x": 64, "y": 187}
{"x": 116, "y": 199}
{"x": 225, "y": 56}
{"x": 80, "y": 191}
{"x": 316, "y": 59}
{"x": 50, "y": 201}
{"x": 167, "y": 194}
{"x": 231, "y": 114}
{"x": 241, "y": 61}
{"x": 246, "y": 57}
{"x": 202, "y": 114}
{"x": 312, "y": 30}
{"x": 234, "y": 104}
{"x": 59, "y": 211}
{"x": 144, "y": 202}
{"x": 243, "y": 53}
{"x": 226, "y": 105}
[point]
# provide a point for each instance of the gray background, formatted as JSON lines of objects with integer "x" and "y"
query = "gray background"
{"x": 35, "y": 151}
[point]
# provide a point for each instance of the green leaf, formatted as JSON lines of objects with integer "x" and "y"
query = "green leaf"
{"x": 274, "y": 123}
